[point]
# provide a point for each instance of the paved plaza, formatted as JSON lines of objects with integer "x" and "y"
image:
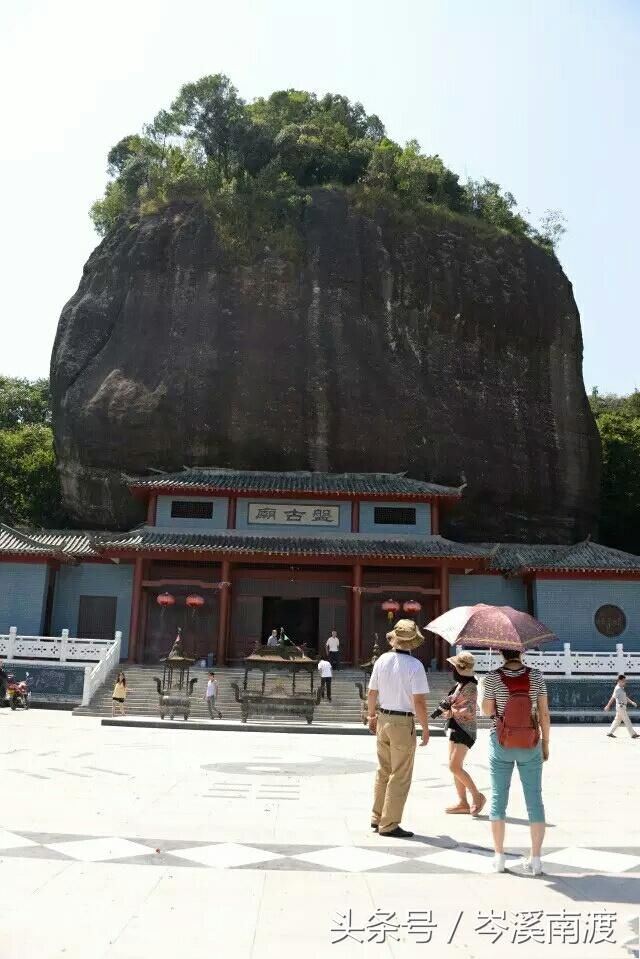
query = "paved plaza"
{"x": 125, "y": 843}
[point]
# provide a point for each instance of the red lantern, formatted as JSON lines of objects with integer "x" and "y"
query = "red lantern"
{"x": 194, "y": 601}
{"x": 391, "y": 607}
{"x": 165, "y": 599}
{"x": 412, "y": 607}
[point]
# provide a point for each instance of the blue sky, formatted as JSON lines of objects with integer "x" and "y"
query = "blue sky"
{"x": 540, "y": 96}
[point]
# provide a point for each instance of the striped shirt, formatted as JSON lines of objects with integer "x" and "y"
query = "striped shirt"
{"x": 494, "y": 688}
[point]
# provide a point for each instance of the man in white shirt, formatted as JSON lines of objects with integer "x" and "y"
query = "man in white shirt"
{"x": 326, "y": 674}
{"x": 211, "y": 694}
{"x": 398, "y": 688}
{"x": 272, "y": 640}
{"x": 332, "y": 647}
{"x": 620, "y": 698}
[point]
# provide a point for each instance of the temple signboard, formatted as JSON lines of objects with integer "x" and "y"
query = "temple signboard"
{"x": 293, "y": 514}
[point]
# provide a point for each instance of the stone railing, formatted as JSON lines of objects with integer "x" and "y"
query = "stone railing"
{"x": 566, "y": 662}
{"x": 98, "y": 656}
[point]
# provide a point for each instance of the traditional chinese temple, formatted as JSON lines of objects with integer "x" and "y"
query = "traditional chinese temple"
{"x": 229, "y": 555}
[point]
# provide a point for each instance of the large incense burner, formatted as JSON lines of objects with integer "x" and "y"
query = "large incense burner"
{"x": 175, "y": 690}
{"x": 278, "y": 701}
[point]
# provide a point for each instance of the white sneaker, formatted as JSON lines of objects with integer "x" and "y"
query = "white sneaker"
{"x": 498, "y": 862}
{"x": 532, "y": 866}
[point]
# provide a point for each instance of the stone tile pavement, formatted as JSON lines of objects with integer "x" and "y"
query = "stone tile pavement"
{"x": 123, "y": 843}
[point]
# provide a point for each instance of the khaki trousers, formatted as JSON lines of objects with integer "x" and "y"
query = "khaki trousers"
{"x": 396, "y": 747}
{"x": 622, "y": 716}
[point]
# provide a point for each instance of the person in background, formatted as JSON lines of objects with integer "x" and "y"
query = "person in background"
{"x": 4, "y": 682}
{"x": 273, "y": 640}
{"x": 398, "y": 689}
{"x": 516, "y": 699}
{"x": 332, "y": 647}
{"x": 211, "y": 695}
{"x": 462, "y": 729}
{"x": 326, "y": 674}
{"x": 119, "y": 695}
{"x": 620, "y": 698}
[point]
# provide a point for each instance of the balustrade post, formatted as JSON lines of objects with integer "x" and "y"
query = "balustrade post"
{"x": 13, "y": 635}
{"x": 64, "y": 643}
{"x": 86, "y": 686}
{"x": 568, "y": 665}
{"x": 620, "y": 658}
{"x": 118, "y": 649}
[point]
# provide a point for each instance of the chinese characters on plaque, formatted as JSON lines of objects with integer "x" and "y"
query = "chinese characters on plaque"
{"x": 293, "y": 514}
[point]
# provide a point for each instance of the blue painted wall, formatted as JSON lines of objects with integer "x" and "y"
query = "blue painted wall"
{"x": 422, "y": 525}
{"x": 92, "y": 579}
{"x": 496, "y": 590}
{"x": 217, "y": 521}
{"x": 569, "y": 606}
{"x": 23, "y": 591}
{"x": 242, "y": 512}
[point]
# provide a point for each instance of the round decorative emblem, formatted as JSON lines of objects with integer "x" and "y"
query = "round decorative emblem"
{"x": 610, "y": 620}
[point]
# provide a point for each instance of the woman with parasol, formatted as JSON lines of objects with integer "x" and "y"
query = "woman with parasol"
{"x": 515, "y": 697}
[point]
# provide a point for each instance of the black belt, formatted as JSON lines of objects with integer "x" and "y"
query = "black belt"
{"x": 394, "y": 712}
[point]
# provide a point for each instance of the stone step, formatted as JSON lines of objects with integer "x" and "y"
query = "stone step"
{"x": 346, "y": 706}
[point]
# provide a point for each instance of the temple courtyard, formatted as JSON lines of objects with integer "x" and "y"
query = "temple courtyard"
{"x": 125, "y": 843}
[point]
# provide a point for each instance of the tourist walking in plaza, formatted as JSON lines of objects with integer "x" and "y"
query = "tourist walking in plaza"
{"x": 515, "y": 696}
{"x": 211, "y": 696}
{"x": 398, "y": 691}
{"x": 462, "y": 729}
{"x": 620, "y": 698}
{"x": 326, "y": 674}
{"x": 332, "y": 647}
{"x": 119, "y": 695}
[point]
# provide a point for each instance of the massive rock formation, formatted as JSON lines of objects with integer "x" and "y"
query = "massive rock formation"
{"x": 443, "y": 351}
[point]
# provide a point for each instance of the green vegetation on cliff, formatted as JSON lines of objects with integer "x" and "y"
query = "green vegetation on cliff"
{"x": 252, "y": 165}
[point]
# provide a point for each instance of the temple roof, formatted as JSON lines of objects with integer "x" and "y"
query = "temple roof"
{"x": 582, "y": 557}
{"x": 259, "y": 482}
{"x": 515, "y": 559}
{"x": 16, "y": 543}
{"x": 62, "y": 545}
{"x": 355, "y": 545}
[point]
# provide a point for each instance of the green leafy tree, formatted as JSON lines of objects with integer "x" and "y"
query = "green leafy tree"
{"x": 620, "y": 499}
{"x": 29, "y": 485}
{"x": 24, "y": 402}
{"x": 213, "y": 146}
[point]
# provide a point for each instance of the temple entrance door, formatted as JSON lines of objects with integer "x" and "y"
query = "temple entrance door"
{"x": 198, "y": 627}
{"x": 298, "y": 618}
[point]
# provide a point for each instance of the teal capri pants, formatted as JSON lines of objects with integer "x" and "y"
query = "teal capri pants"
{"x": 529, "y": 763}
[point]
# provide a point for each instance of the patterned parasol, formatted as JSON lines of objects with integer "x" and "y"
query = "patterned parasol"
{"x": 490, "y": 627}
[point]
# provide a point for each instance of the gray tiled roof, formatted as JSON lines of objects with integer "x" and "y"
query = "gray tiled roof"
{"x": 581, "y": 557}
{"x": 76, "y": 542}
{"x": 23, "y": 544}
{"x": 324, "y": 484}
{"x": 355, "y": 545}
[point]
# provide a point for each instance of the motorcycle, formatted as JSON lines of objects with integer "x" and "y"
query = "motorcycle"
{"x": 18, "y": 692}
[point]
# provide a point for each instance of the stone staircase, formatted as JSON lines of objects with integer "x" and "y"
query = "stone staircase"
{"x": 142, "y": 698}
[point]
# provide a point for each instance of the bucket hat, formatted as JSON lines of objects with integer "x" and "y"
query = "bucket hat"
{"x": 405, "y": 635}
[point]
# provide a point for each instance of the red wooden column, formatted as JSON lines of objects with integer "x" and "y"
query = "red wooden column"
{"x": 223, "y": 614}
{"x": 231, "y": 513}
{"x": 435, "y": 518}
{"x": 356, "y": 615}
{"x": 444, "y": 607}
{"x": 151, "y": 510}
{"x": 355, "y": 516}
{"x": 134, "y": 622}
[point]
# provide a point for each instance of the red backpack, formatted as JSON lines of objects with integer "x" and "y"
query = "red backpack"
{"x": 516, "y": 728}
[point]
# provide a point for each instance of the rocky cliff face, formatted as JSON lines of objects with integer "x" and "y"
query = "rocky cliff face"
{"x": 441, "y": 352}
